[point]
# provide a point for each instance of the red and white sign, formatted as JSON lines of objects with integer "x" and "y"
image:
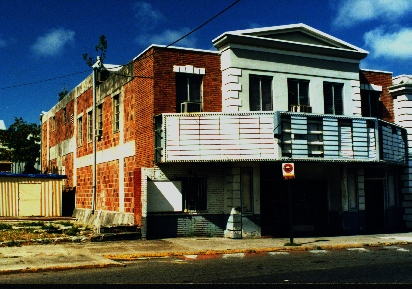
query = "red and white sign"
{"x": 288, "y": 170}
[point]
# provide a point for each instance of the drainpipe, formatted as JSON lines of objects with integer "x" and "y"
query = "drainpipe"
{"x": 95, "y": 67}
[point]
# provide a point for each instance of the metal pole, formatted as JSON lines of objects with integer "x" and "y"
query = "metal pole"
{"x": 95, "y": 67}
{"x": 290, "y": 214}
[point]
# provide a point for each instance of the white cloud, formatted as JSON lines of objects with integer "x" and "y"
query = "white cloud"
{"x": 167, "y": 37}
{"x": 351, "y": 12}
{"x": 53, "y": 42}
{"x": 391, "y": 45}
{"x": 146, "y": 15}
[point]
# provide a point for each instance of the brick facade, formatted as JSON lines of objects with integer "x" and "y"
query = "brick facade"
{"x": 145, "y": 87}
{"x": 383, "y": 79}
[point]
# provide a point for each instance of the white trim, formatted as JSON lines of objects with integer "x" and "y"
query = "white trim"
{"x": 292, "y": 53}
{"x": 175, "y": 48}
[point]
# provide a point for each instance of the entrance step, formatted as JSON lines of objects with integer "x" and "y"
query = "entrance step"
{"x": 114, "y": 233}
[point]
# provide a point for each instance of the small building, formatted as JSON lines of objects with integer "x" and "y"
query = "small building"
{"x": 24, "y": 195}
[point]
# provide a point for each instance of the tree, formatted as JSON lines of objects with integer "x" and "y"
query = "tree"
{"x": 21, "y": 143}
{"x": 102, "y": 47}
{"x": 63, "y": 93}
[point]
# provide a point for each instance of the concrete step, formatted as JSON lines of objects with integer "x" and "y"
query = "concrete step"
{"x": 122, "y": 232}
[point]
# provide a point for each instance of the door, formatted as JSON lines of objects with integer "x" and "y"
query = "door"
{"x": 29, "y": 199}
{"x": 309, "y": 204}
{"x": 374, "y": 205}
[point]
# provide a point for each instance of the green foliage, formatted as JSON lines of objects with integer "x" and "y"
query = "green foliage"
{"x": 63, "y": 93}
{"x": 102, "y": 47}
{"x": 5, "y": 226}
{"x": 22, "y": 142}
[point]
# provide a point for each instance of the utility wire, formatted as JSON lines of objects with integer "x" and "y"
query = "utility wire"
{"x": 146, "y": 56}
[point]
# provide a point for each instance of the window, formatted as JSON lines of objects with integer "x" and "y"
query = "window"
{"x": 64, "y": 115}
{"x": 188, "y": 90}
{"x": 54, "y": 123}
{"x": 352, "y": 190}
{"x": 333, "y": 98}
{"x": 90, "y": 126}
{"x": 116, "y": 113}
{"x": 370, "y": 104}
{"x": 194, "y": 193}
{"x": 99, "y": 113}
{"x": 298, "y": 92}
{"x": 246, "y": 187}
{"x": 260, "y": 93}
{"x": 80, "y": 131}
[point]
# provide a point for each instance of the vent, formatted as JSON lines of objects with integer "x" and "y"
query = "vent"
{"x": 300, "y": 108}
{"x": 191, "y": 107}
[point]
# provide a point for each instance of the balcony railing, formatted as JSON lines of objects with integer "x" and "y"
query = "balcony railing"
{"x": 277, "y": 136}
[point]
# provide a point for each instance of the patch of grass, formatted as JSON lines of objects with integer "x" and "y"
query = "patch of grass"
{"x": 5, "y": 226}
{"x": 73, "y": 231}
{"x": 291, "y": 244}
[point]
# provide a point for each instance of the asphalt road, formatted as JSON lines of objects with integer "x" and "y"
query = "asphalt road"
{"x": 391, "y": 264}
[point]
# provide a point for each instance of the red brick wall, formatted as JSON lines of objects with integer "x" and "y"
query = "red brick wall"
{"x": 107, "y": 190}
{"x": 128, "y": 185}
{"x": 84, "y": 188}
{"x": 165, "y": 78}
{"x": 128, "y": 115}
{"x": 385, "y": 80}
{"x": 109, "y": 138}
{"x": 155, "y": 92}
{"x": 67, "y": 162}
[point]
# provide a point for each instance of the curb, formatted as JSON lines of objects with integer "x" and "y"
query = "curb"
{"x": 59, "y": 268}
{"x": 129, "y": 257}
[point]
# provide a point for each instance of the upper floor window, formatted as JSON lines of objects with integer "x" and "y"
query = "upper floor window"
{"x": 298, "y": 93}
{"x": 260, "y": 93}
{"x": 333, "y": 98}
{"x": 116, "y": 113}
{"x": 54, "y": 123}
{"x": 64, "y": 115}
{"x": 188, "y": 92}
{"x": 80, "y": 131}
{"x": 90, "y": 126}
{"x": 370, "y": 104}
{"x": 99, "y": 113}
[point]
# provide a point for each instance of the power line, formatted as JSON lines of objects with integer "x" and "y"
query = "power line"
{"x": 45, "y": 80}
{"x": 184, "y": 36}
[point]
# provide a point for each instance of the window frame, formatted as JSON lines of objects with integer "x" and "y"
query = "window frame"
{"x": 185, "y": 87}
{"x": 299, "y": 83}
{"x": 261, "y": 81}
{"x": 64, "y": 111}
{"x": 99, "y": 114}
{"x": 200, "y": 197}
{"x": 53, "y": 123}
{"x": 116, "y": 113}
{"x": 80, "y": 131}
{"x": 90, "y": 126}
{"x": 369, "y": 94}
{"x": 334, "y": 86}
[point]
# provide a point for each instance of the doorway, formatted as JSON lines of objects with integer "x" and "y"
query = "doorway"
{"x": 375, "y": 205}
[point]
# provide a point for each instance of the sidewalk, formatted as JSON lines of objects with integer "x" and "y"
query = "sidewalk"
{"x": 37, "y": 258}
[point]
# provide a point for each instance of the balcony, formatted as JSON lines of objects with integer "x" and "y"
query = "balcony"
{"x": 277, "y": 136}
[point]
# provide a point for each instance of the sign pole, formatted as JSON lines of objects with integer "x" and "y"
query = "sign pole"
{"x": 288, "y": 170}
{"x": 290, "y": 214}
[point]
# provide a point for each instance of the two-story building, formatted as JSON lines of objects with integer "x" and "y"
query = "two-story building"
{"x": 192, "y": 143}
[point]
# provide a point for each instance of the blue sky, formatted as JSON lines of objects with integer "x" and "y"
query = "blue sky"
{"x": 41, "y": 40}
